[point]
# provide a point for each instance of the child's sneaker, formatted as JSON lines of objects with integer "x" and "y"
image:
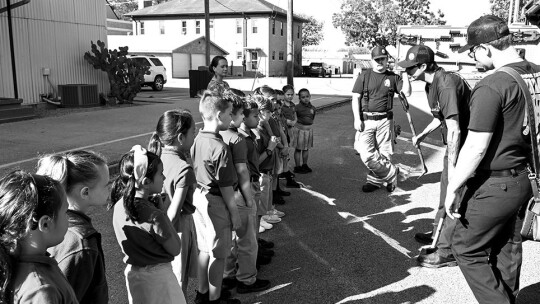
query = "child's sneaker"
{"x": 306, "y": 168}
{"x": 265, "y": 244}
{"x": 261, "y": 229}
{"x": 299, "y": 170}
{"x": 276, "y": 212}
{"x": 266, "y": 225}
{"x": 291, "y": 183}
{"x": 272, "y": 219}
{"x": 258, "y": 285}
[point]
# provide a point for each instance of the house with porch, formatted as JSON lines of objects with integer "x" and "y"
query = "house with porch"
{"x": 252, "y": 32}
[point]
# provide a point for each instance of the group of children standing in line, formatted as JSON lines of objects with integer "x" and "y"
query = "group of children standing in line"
{"x": 187, "y": 207}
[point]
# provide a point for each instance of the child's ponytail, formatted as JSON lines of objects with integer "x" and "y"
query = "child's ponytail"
{"x": 134, "y": 166}
{"x": 155, "y": 145}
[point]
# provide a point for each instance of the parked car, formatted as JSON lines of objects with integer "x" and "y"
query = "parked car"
{"x": 319, "y": 69}
{"x": 158, "y": 76}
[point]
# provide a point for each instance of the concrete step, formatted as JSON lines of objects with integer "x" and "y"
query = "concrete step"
{"x": 10, "y": 114}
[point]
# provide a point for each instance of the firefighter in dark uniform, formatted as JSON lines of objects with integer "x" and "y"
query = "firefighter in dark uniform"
{"x": 490, "y": 182}
{"x": 373, "y": 95}
{"x": 448, "y": 96}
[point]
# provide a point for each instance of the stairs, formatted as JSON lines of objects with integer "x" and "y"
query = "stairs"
{"x": 11, "y": 110}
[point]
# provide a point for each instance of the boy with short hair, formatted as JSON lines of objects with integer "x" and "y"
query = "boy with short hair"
{"x": 244, "y": 250}
{"x": 217, "y": 183}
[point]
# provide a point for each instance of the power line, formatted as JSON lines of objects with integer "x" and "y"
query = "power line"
{"x": 226, "y": 6}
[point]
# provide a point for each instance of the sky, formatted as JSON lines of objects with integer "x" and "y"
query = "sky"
{"x": 457, "y": 13}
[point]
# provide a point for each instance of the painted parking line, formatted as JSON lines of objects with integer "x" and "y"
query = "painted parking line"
{"x": 80, "y": 148}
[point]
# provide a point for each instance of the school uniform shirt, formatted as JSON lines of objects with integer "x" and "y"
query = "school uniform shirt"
{"x": 288, "y": 111}
{"x": 378, "y": 86}
{"x": 141, "y": 241}
{"x": 236, "y": 143}
{"x": 448, "y": 95}
{"x": 305, "y": 114}
{"x": 80, "y": 257}
{"x": 498, "y": 106}
{"x": 38, "y": 279}
{"x": 252, "y": 153}
{"x": 178, "y": 174}
{"x": 212, "y": 162}
{"x": 263, "y": 138}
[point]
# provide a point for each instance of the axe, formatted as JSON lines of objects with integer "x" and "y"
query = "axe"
{"x": 405, "y": 104}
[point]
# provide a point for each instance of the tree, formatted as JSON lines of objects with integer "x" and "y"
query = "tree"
{"x": 311, "y": 31}
{"x": 500, "y": 8}
{"x": 374, "y": 22}
{"x": 125, "y": 75}
{"x": 122, "y": 7}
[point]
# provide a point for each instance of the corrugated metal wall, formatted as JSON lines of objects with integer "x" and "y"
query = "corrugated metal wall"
{"x": 51, "y": 34}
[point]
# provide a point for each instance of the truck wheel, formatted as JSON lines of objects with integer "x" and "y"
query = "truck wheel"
{"x": 158, "y": 84}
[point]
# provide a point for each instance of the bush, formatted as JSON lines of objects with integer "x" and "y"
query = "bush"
{"x": 125, "y": 75}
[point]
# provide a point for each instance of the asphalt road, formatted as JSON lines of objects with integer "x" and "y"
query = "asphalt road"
{"x": 339, "y": 245}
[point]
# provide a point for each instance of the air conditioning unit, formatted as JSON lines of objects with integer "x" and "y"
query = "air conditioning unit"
{"x": 78, "y": 95}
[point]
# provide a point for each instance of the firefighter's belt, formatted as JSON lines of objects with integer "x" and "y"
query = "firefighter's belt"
{"x": 377, "y": 115}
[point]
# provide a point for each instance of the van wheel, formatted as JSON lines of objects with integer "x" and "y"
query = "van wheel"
{"x": 158, "y": 83}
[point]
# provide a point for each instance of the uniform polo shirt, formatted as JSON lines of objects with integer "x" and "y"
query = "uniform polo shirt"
{"x": 288, "y": 111}
{"x": 38, "y": 279}
{"x": 378, "y": 86}
{"x": 263, "y": 138}
{"x": 212, "y": 162}
{"x": 305, "y": 113}
{"x": 252, "y": 153}
{"x": 237, "y": 144}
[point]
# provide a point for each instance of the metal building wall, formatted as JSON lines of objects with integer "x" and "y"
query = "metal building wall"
{"x": 51, "y": 34}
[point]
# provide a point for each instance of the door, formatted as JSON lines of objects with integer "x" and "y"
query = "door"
{"x": 254, "y": 59}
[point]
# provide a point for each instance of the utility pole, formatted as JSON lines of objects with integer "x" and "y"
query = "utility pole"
{"x": 207, "y": 30}
{"x": 290, "y": 49}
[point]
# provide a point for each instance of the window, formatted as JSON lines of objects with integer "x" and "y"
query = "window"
{"x": 281, "y": 55}
{"x": 273, "y": 55}
{"x": 161, "y": 27}
{"x": 298, "y": 33}
{"x": 273, "y": 26}
{"x": 156, "y": 62}
{"x": 254, "y": 26}
{"x": 211, "y": 23}
{"x": 281, "y": 22}
{"x": 238, "y": 55}
{"x": 239, "y": 26}
{"x": 197, "y": 27}
{"x": 142, "y": 28}
{"x": 184, "y": 27}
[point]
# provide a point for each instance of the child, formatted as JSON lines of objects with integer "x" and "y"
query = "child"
{"x": 32, "y": 218}
{"x": 303, "y": 137}
{"x": 143, "y": 230}
{"x": 85, "y": 178}
{"x": 219, "y": 68}
{"x": 244, "y": 252}
{"x": 288, "y": 110}
{"x": 251, "y": 121}
{"x": 174, "y": 135}
{"x": 214, "y": 198}
{"x": 266, "y": 144}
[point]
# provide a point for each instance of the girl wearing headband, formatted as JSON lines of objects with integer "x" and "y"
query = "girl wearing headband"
{"x": 32, "y": 218}
{"x": 143, "y": 230}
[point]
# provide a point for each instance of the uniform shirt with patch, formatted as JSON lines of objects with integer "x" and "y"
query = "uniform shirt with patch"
{"x": 305, "y": 113}
{"x": 141, "y": 241}
{"x": 178, "y": 174}
{"x": 263, "y": 138}
{"x": 498, "y": 106}
{"x": 252, "y": 153}
{"x": 378, "y": 87}
{"x": 288, "y": 110}
{"x": 212, "y": 162}
{"x": 37, "y": 279}
{"x": 449, "y": 95}
{"x": 80, "y": 257}
{"x": 237, "y": 144}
